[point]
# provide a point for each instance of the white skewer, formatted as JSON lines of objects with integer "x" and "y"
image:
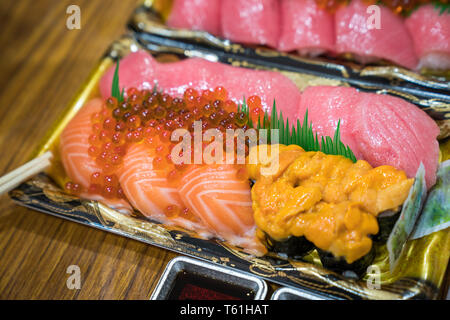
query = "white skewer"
{"x": 13, "y": 179}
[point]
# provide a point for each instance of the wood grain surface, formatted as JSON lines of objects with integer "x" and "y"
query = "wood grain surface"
{"x": 42, "y": 65}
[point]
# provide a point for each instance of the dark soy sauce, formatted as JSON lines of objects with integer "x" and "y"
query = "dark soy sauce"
{"x": 191, "y": 286}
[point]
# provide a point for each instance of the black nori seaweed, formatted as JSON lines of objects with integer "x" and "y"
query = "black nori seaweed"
{"x": 340, "y": 265}
{"x": 385, "y": 225}
{"x": 293, "y": 247}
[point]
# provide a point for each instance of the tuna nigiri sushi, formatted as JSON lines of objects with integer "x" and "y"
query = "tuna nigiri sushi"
{"x": 430, "y": 31}
{"x": 328, "y": 105}
{"x": 142, "y": 71}
{"x": 392, "y": 131}
{"x": 251, "y": 21}
{"x": 382, "y": 129}
{"x": 356, "y": 34}
{"x": 202, "y": 15}
{"x": 223, "y": 202}
{"x": 137, "y": 70}
{"x": 306, "y": 28}
{"x": 79, "y": 166}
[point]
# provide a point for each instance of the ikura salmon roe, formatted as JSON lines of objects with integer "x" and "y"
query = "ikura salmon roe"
{"x": 120, "y": 150}
{"x": 109, "y": 124}
{"x": 189, "y": 93}
{"x": 150, "y": 117}
{"x": 242, "y": 173}
{"x": 241, "y": 119}
{"x": 109, "y": 192}
{"x": 111, "y": 103}
{"x": 208, "y": 94}
{"x": 254, "y": 102}
{"x": 96, "y": 117}
{"x": 73, "y": 187}
{"x": 106, "y": 185}
{"x": 117, "y": 114}
{"x": 118, "y": 138}
{"x": 120, "y": 193}
{"x": 131, "y": 91}
{"x": 116, "y": 160}
{"x": 187, "y": 214}
{"x": 94, "y": 189}
{"x": 173, "y": 211}
{"x": 96, "y": 178}
{"x": 220, "y": 93}
{"x": 133, "y": 122}
{"x": 93, "y": 151}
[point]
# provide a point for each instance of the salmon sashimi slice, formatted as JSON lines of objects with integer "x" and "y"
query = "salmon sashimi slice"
{"x": 73, "y": 148}
{"x": 356, "y": 34}
{"x": 201, "y": 15}
{"x": 223, "y": 202}
{"x": 150, "y": 192}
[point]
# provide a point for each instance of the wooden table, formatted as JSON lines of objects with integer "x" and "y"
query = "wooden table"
{"x": 42, "y": 64}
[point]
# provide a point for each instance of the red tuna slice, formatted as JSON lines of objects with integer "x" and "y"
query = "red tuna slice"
{"x": 174, "y": 78}
{"x": 381, "y": 129}
{"x": 391, "y": 42}
{"x": 306, "y": 28}
{"x": 430, "y": 32}
{"x": 391, "y": 131}
{"x": 200, "y": 15}
{"x": 150, "y": 192}
{"x": 73, "y": 148}
{"x": 251, "y": 21}
{"x": 137, "y": 70}
{"x": 327, "y": 105}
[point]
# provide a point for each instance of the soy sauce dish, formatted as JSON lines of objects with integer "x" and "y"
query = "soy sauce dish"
{"x": 191, "y": 279}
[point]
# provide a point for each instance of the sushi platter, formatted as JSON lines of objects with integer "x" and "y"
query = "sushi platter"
{"x": 356, "y": 207}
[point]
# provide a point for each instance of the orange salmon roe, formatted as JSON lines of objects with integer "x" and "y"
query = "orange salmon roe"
{"x": 150, "y": 118}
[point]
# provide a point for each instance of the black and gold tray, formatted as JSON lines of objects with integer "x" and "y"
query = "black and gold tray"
{"x": 421, "y": 266}
{"x": 429, "y": 92}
